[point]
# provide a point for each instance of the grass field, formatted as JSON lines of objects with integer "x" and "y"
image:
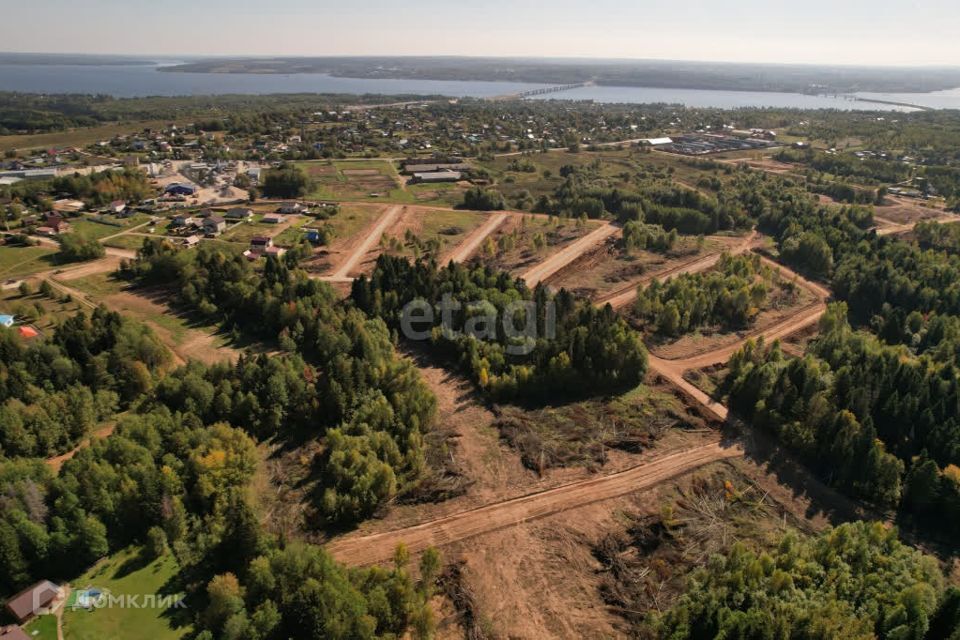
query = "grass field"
{"x": 44, "y": 313}
{"x": 93, "y": 229}
{"x": 355, "y": 180}
{"x": 125, "y": 573}
{"x": 75, "y": 137}
{"x": 131, "y": 242}
{"x": 16, "y": 262}
{"x": 42, "y": 628}
{"x": 351, "y": 220}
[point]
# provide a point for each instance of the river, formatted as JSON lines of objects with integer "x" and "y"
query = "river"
{"x": 145, "y": 80}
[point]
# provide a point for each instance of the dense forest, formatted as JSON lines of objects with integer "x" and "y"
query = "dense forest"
{"x": 514, "y": 343}
{"x": 870, "y": 418}
{"x": 855, "y": 581}
{"x": 53, "y": 393}
{"x": 369, "y": 406}
{"x": 729, "y": 296}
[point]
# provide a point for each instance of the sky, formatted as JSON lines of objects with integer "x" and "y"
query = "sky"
{"x": 856, "y": 32}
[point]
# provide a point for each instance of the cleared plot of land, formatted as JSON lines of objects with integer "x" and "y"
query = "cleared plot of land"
{"x": 184, "y": 337}
{"x": 609, "y": 268}
{"x": 350, "y": 226}
{"x": 905, "y": 211}
{"x": 526, "y": 240}
{"x": 569, "y": 253}
{"x": 244, "y": 231}
{"x": 353, "y": 180}
{"x": 126, "y": 573}
{"x": 597, "y": 432}
{"x": 447, "y": 226}
{"x": 462, "y": 526}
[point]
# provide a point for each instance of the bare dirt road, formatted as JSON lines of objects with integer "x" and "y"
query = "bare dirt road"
{"x": 568, "y": 254}
{"x": 371, "y": 549}
{"x": 472, "y": 242}
{"x": 373, "y": 237}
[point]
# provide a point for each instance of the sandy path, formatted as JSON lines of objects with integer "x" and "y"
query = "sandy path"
{"x": 373, "y": 237}
{"x": 103, "y": 432}
{"x": 472, "y": 242}
{"x": 568, "y": 254}
{"x": 359, "y": 550}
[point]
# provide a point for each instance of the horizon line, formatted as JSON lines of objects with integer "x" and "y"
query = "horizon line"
{"x": 241, "y": 56}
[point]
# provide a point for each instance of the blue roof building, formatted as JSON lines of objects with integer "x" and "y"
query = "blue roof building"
{"x": 6, "y": 320}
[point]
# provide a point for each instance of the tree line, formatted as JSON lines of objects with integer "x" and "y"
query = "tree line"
{"x": 562, "y": 346}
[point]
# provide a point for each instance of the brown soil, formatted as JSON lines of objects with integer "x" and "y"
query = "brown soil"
{"x": 608, "y": 269}
{"x": 558, "y": 260}
{"x": 900, "y": 211}
{"x": 379, "y": 547}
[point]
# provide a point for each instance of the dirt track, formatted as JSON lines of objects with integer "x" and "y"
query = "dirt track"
{"x": 373, "y": 237}
{"x": 362, "y": 550}
{"x": 568, "y": 254}
{"x": 472, "y": 242}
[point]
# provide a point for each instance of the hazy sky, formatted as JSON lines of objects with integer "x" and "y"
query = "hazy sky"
{"x": 816, "y": 31}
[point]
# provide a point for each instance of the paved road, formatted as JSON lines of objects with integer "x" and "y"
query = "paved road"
{"x": 379, "y": 547}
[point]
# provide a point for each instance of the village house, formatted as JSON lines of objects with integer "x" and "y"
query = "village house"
{"x": 191, "y": 241}
{"x": 274, "y": 218}
{"x": 184, "y": 220}
{"x": 53, "y": 224}
{"x": 290, "y": 207}
{"x": 34, "y": 600}
{"x": 13, "y": 632}
{"x": 239, "y": 213}
{"x": 214, "y": 225}
{"x": 117, "y": 206}
{"x": 259, "y": 244}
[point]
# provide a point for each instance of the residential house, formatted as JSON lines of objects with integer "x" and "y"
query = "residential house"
{"x": 291, "y": 207}
{"x": 274, "y": 218}
{"x": 313, "y": 235}
{"x": 184, "y": 220}
{"x": 239, "y": 213}
{"x": 214, "y": 225}
{"x": 34, "y": 600}
{"x": 13, "y": 632}
{"x": 191, "y": 241}
{"x": 259, "y": 244}
{"x": 117, "y": 206}
{"x": 56, "y": 223}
